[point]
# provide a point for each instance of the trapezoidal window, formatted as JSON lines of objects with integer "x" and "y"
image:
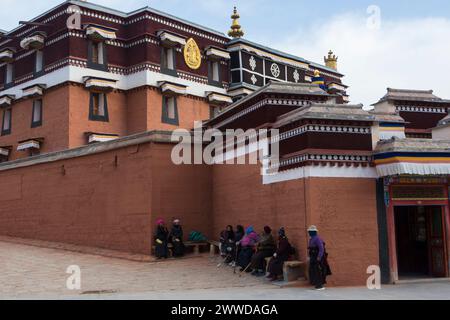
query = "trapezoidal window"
{"x": 170, "y": 110}
{"x": 97, "y": 56}
{"x": 9, "y": 74}
{"x": 39, "y": 62}
{"x": 36, "y": 120}
{"x": 6, "y": 126}
{"x": 168, "y": 61}
{"x": 98, "y": 107}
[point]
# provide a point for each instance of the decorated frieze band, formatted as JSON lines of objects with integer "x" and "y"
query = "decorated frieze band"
{"x": 402, "y": 108}
{"x": 321, "y": 128}
{"x": 340, "y": 159}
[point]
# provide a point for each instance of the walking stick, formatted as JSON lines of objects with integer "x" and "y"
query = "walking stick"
{"x": 235, "y": 259}
{"x": 240, "y": 274}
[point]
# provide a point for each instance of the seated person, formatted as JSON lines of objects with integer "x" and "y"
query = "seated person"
{"x": 161, "y": 239}
{"x": 176, "y": 238}
{"x": 265, "y": 248}
{"x": 282, "y": 254}
{"x": 247, "y": 247}
{"x": 227, "y": 244}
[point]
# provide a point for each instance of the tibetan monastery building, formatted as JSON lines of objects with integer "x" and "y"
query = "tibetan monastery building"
{"x": 90, "y": 97}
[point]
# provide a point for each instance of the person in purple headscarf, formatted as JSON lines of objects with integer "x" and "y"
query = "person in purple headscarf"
{"x": 264, "y": 249}
{"x": 247, "y": 245}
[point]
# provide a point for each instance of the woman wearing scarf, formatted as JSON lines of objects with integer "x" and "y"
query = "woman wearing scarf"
{"x": 228, "y": 243}
{"x": 318, "y": 264}
{"x": 161, "y": 238}
{"x": 282, "y": 254}
{"x": 176, "y": 238}
{"x": 265, "y": 248}
{"x": 247, "y": 244}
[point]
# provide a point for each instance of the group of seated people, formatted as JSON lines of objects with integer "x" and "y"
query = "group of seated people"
{"x": 163, "y": 237}
{"x": 249, "y": 251}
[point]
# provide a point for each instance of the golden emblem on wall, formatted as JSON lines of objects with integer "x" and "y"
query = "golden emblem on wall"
{"x": 192, "y": 55}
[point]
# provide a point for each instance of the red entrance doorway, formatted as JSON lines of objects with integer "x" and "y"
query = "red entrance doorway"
{"x": 420, "y": 241}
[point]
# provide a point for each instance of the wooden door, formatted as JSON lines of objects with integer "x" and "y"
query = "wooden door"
{"x": 436, "y": 243}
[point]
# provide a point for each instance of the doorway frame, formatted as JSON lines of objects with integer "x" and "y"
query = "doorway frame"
{"x": 392, "y": 242}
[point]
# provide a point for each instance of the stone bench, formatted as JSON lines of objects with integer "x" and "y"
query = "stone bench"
{"x": 212, "y": 247}
{"x": 292, "y": 269}
{"x": 189, "y": 244}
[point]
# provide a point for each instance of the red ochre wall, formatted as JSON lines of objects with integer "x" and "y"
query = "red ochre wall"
{"x": 344, "y": 210}
{"x": 98, "y": 204}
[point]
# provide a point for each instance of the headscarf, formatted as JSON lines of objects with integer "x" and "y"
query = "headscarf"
{"x": 249, "y": 230}
{"x": 159, "y": 221}
{"x": 282, "y": 232}
{"x": 176, "y": 221}
{"x": 267, "y": 229}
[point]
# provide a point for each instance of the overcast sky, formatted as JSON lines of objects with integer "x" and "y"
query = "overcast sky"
{"x": 409, "y": 47}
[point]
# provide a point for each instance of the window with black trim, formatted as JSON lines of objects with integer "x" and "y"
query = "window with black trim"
{"x": 36, "y": 119}
{"x": 214, "y": 73}
{"x": 168, "y": 61}
{"x": 6, "y": 126}
{"x": 98, "y": 107}
{"x": 97, "y": 57}
{"x": 39, "y": 62}
{"x": 170, "y": 110}
{"x": 9, "y": 74}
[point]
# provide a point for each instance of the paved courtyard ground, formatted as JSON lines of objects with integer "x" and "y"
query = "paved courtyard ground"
{"x": 28, "y": 272}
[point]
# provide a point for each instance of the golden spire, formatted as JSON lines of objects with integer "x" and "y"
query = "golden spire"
{"x": 331, "y": 60}
{"x": 236, "y": 31}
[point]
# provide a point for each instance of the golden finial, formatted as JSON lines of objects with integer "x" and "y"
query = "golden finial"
{"x": 331, "y": 60}
{"x": 236, "y": 31}
{"x": 316, "y": 73}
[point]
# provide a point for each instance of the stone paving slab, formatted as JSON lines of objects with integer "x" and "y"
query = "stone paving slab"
{"x": 30, "y": 271}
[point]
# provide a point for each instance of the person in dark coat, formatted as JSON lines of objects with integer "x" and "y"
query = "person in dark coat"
{"x": 228, "y": 244}
{"x": 318, "y": 264}
{"x": 265, "y": 248}
{"x": 161, "y": 239}
{"x": 275, "y": 268}
{"x": 176, "y": 239}
{"x": 239, "y": 234}
{"x": 247, "y": 245}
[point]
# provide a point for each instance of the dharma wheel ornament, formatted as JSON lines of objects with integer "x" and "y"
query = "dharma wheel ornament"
{"x": 236, "y": 31}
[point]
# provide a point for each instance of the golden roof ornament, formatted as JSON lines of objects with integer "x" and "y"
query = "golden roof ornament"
{"x": 235, "y": 31}
{"x": 316, "y": 73}
{"x": 331, "y": 60}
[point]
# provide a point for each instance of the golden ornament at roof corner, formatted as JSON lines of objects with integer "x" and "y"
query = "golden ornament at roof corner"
{"x": 331, "y": 60}
{"x": 316, "y": 73}
{"x": 235, "y": 31}
{"x": 192, "y": 55}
